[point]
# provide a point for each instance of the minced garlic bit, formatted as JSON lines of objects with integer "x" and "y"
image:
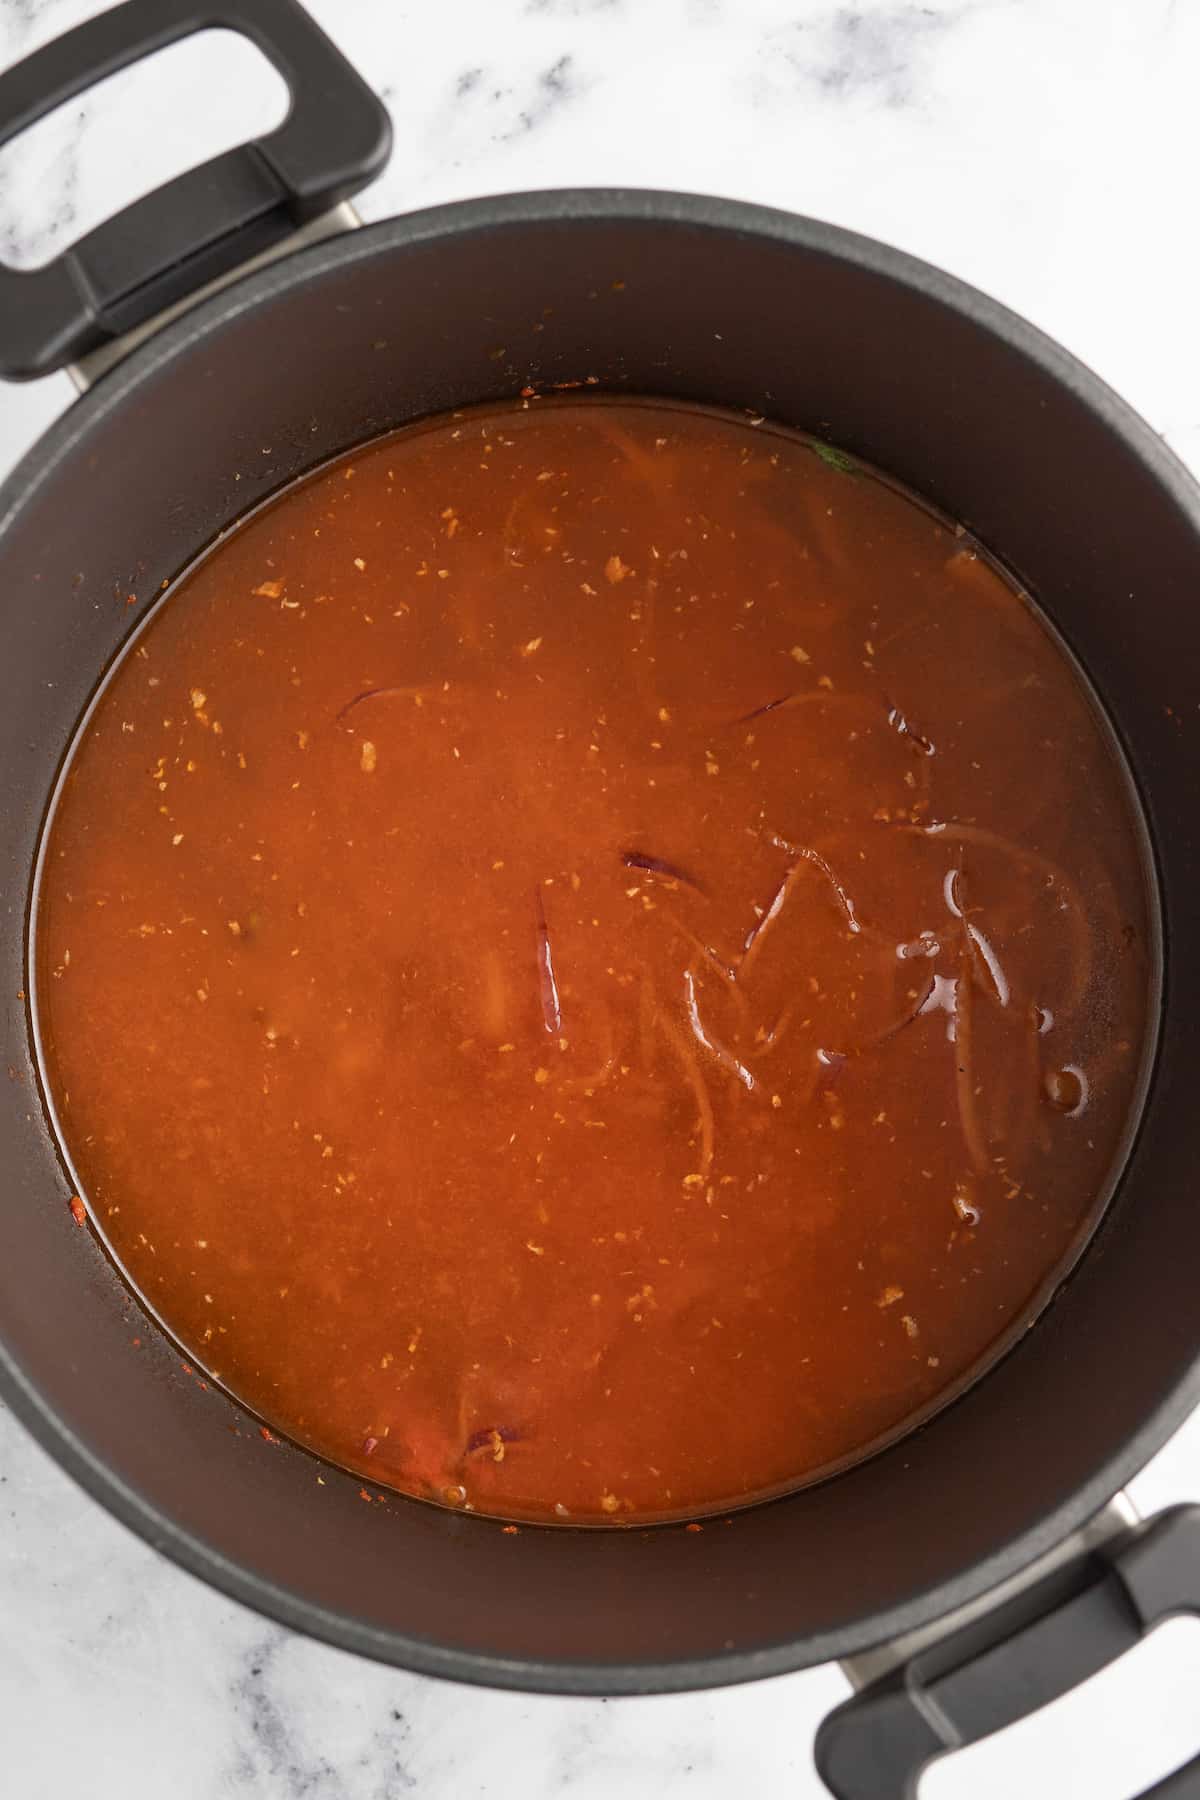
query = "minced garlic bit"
{"x": 270, "y": 590}
{"x": 367, "y": 758}
{"x": 889, "y": 1296}
{"x": 609, "y": 1502}
{"x": 615, "y": 570}
{"x": 799, "y": 655}
{"x": 529, "y": 648}
{"x": 359, "y": 563}
{"x": 909, "y": 1324}
{"x": 199, "y": 699}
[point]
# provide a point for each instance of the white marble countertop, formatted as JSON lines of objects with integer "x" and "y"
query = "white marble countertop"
{"x": 1046, "y": 150}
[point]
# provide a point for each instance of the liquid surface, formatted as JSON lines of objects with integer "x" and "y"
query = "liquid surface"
{"x": 592, "y": 961}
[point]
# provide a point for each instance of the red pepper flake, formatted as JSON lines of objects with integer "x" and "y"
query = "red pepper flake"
{"x": 693, "y": 1527}
{"x": 131, "y": 599}
{"x": 187, "y": 1368}
{"x": 137, "y": 1343}
{"x": 370, "y": 1445}
{"x": 510, "y": 1530}
{"x": 78, "y": 1210}
{"x": 268, "y": 1437}
{"x": 363, "y": 1495}
{"x": 528, "y": 393}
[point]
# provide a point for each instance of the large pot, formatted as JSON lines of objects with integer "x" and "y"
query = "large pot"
{"x": 723, "y": 303}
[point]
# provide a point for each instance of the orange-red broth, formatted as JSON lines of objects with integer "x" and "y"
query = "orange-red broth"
{"x": 592, "y": 961}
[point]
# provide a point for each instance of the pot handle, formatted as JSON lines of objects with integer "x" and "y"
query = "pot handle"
{"x": 194, "y": 229}
{"x": 1015, "y": 1659}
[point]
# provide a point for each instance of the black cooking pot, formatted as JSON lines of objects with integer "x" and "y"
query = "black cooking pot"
{"x": 695, "y": 299}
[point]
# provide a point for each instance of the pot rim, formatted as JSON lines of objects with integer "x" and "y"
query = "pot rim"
{"x": 426, "y": 227}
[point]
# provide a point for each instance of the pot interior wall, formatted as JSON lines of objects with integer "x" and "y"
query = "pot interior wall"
{"x": 466, "y": 305}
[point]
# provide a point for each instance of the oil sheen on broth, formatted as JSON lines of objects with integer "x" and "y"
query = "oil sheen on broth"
{"x": 592, "y": 961}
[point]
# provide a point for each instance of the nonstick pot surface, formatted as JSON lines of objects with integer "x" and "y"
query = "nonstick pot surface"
{"x": 698, "y": 300}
